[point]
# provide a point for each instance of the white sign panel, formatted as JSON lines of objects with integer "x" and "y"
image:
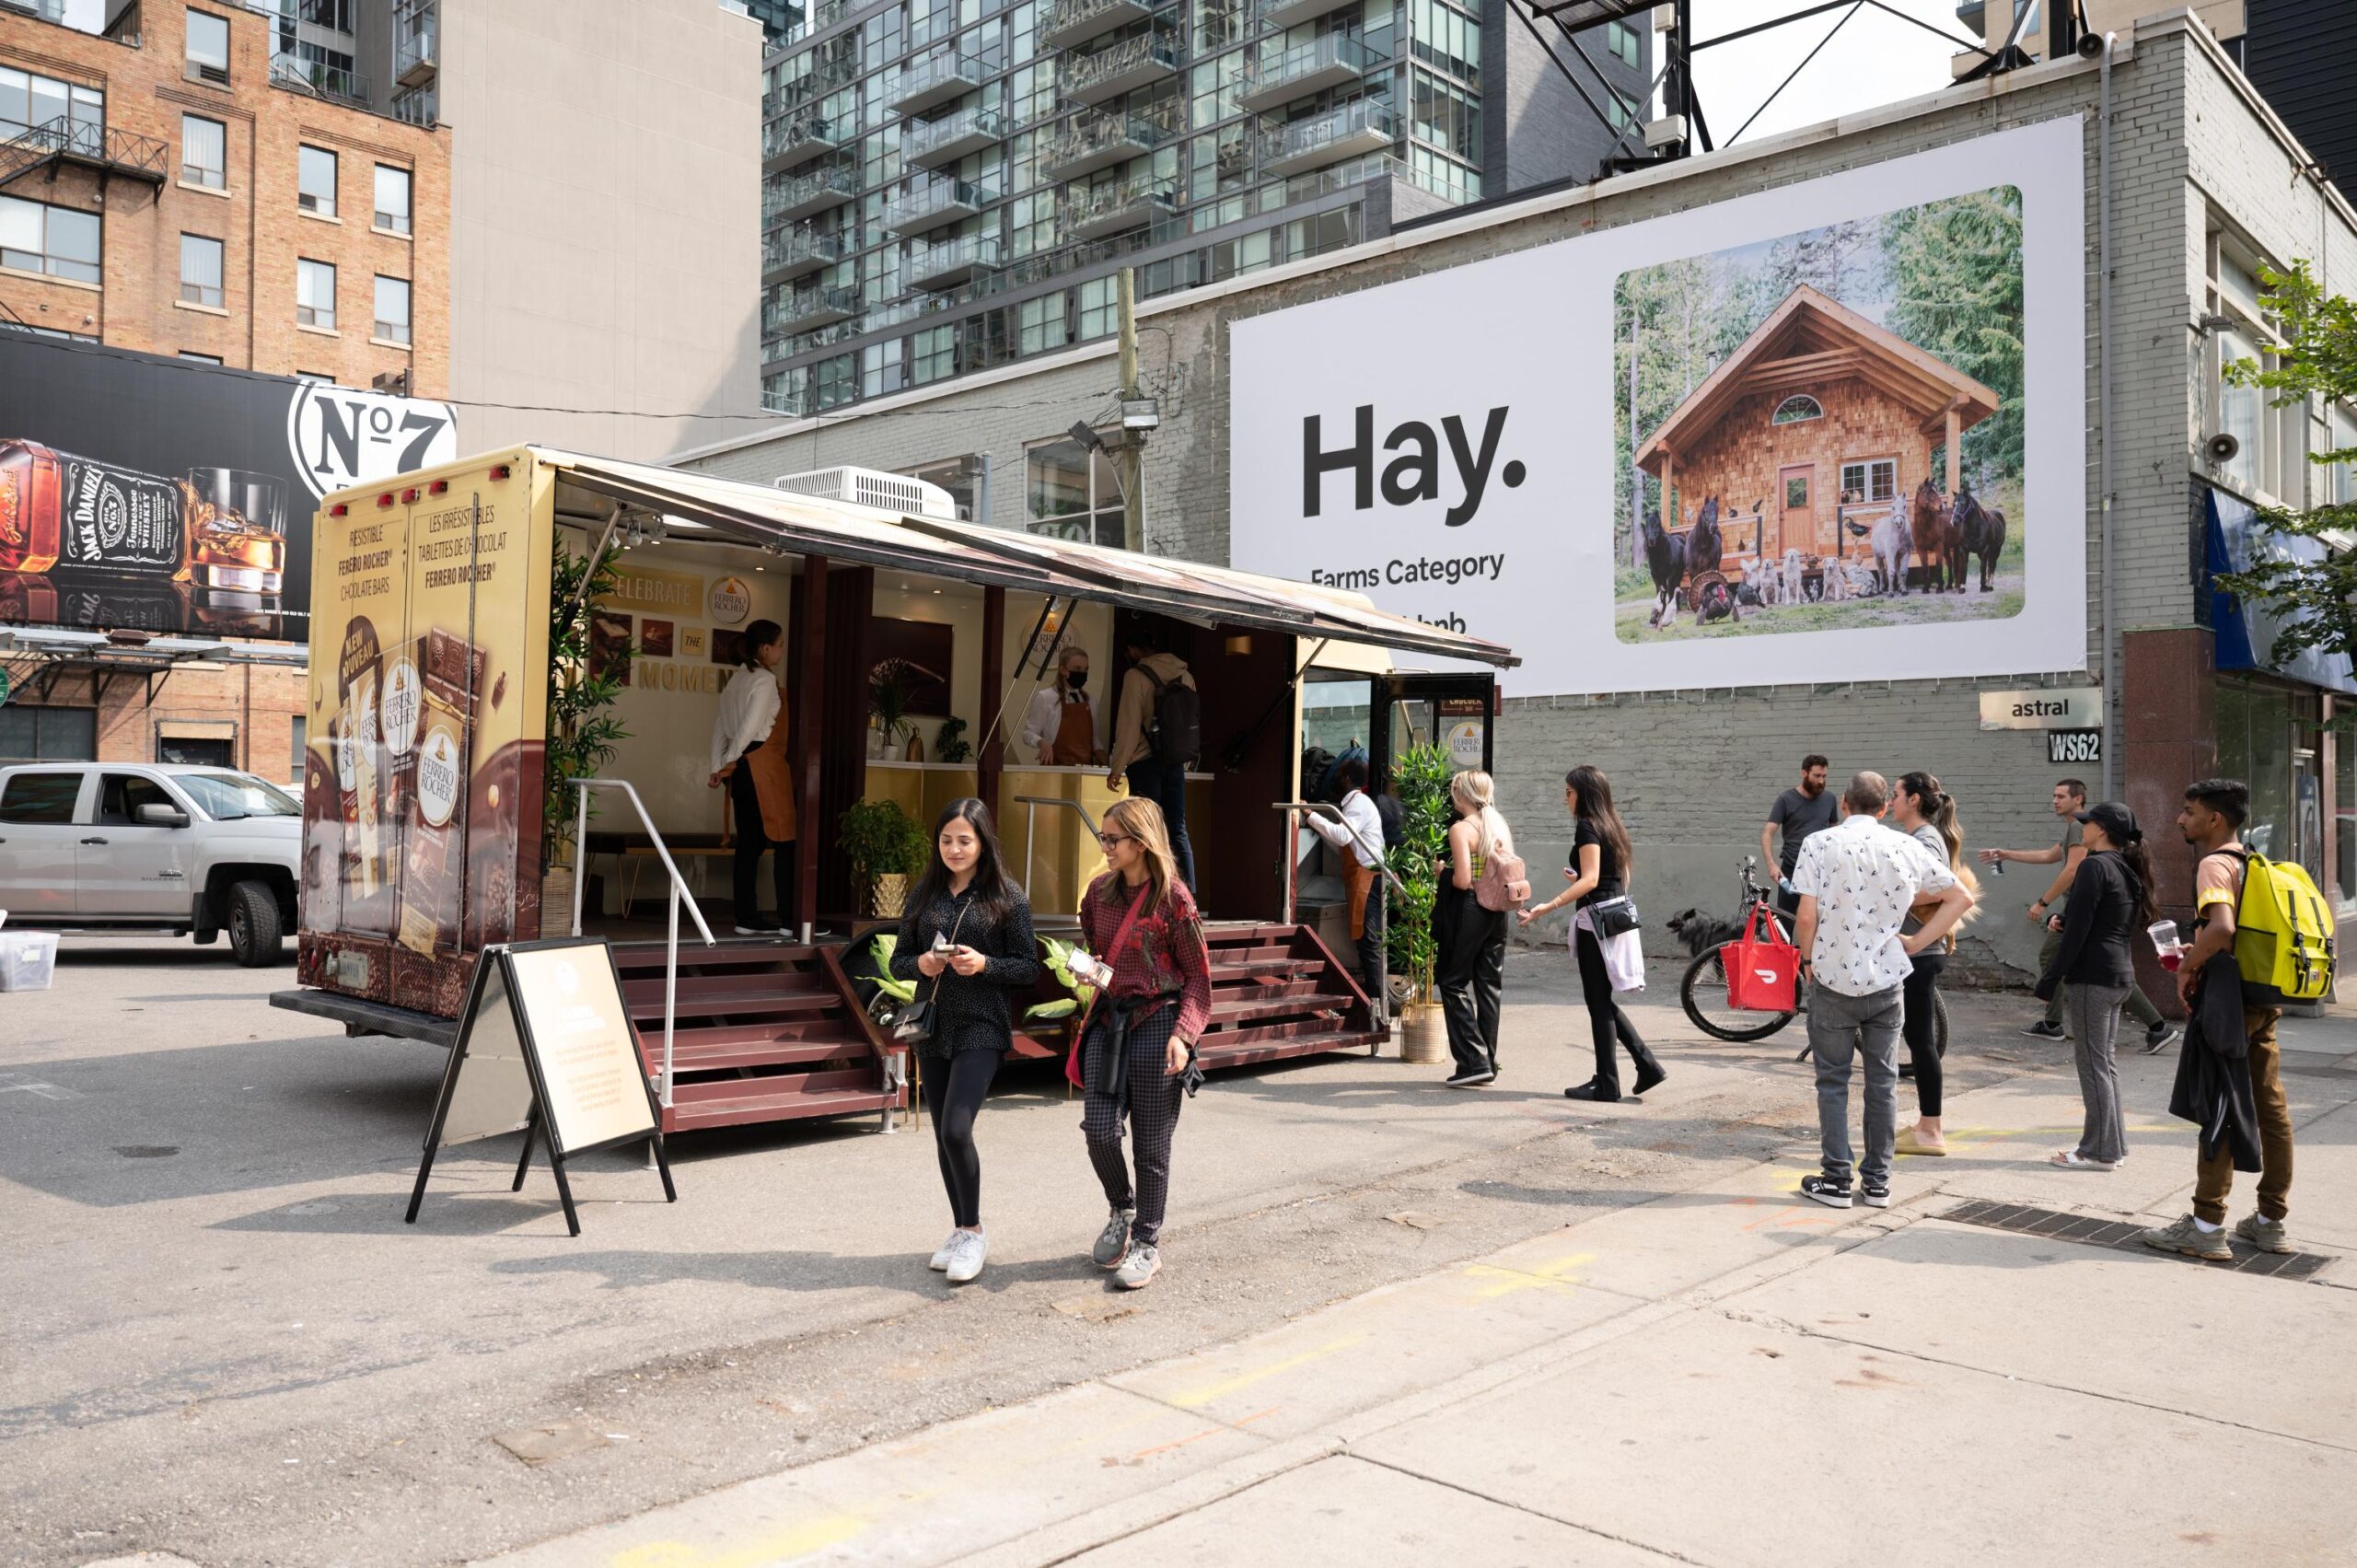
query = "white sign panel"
{"x": 2076, "y": 707}
{"x": 1787, "y": 438}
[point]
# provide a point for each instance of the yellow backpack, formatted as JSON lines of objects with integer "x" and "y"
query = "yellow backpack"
{"x": 2284, "y": 934}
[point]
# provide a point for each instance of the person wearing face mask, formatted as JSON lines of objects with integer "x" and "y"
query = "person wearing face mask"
{"x": 1060, "y": 727}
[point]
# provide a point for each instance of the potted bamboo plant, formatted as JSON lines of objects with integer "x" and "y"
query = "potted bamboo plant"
{"x": 1420, "y": 777}
{"x": 583, "y": 733}
{"x": 891, "y": 689}
{"x": 885, "y": 848}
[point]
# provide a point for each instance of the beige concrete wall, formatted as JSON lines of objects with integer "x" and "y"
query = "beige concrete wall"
{"x": 605, "y": 219}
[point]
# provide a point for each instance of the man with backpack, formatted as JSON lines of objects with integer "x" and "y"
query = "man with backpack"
{"x": 1158, "y": 736}
{"x": 2266, "y": 922}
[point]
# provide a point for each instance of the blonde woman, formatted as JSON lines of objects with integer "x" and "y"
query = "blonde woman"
{"x": 1472, "y": 940}
{"x": 1140, "y": 921}
{"x": 1926, "y": 813}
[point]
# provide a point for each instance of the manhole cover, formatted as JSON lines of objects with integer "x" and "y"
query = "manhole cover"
{"x": 2057, "y": 1226}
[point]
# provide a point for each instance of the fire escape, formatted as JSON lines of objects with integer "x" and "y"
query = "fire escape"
{"x": 81, "y": 143}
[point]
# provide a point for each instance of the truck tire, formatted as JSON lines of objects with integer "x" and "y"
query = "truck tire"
{"x": 254, "y": 929}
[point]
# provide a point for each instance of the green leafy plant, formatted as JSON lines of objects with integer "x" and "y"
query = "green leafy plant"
{"x": 1060, "y": 956}
{"x": 2312, "y": 593}
{"x": 950, "y": 743}
{"x": 880, "y": 840}
{"x": 582, "y": 735}
{"x": 881, "y": 948}
{"x": 1420, "y": 777}
{"x": 891, "y": 687}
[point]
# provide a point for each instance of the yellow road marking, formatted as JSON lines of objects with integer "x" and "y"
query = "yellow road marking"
{"x": 1193, "y": 1398}
{"x": 797, "y": 1540}
{"x": 1556, "y": 1275}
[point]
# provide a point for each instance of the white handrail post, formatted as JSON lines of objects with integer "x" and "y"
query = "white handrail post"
{"x": 1292, "y": 857}
{"x": 1030, "y": 840}
{"x": 580, "y": 842}
{"x": 670, "y": 992}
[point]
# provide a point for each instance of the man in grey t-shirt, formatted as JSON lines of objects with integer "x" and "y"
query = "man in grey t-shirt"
{"x": 1811, "y": 808}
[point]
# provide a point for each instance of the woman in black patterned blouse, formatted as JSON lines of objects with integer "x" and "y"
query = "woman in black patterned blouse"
{"x": 964, "y": 899}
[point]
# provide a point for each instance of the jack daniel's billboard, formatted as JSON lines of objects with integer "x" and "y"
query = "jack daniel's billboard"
{"x": 165, "y": 495}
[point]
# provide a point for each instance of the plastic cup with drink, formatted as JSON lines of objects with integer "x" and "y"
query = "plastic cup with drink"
{"x": 2166, "y": 943}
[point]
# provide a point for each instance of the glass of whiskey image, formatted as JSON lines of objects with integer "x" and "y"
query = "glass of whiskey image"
{"x": 237, "y": 530}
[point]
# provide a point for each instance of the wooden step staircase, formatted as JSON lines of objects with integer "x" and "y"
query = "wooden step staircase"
{"x": 763, "y": 1031}
{"x": 1278, "y": 990}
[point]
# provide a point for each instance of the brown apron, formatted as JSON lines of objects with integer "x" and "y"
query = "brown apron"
{"x": 1075, "y": 741}
{"x": 1359, "y": 880}
{"x": 774, "y": 783}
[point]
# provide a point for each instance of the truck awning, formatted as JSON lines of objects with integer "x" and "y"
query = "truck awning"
{"x": 971, "y": 552}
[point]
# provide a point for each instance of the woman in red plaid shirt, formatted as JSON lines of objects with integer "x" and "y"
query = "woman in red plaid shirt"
{"x": 1139, "y": 1040}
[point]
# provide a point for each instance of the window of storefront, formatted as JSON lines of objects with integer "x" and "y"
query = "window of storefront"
{"x": 48, "y": 734}
{"x": 2343, "y": 739}
{"x": 2272, "y": 738}
{"x": 1073, "y": 493}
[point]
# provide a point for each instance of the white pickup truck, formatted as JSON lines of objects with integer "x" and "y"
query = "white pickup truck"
{"x": 153, "y": 847}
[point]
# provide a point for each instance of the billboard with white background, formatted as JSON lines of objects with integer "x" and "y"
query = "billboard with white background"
{"x": 1529, "y": 448}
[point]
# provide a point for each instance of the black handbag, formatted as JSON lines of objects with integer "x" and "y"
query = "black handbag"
{"x": 913, "y": 1025}
{"x": 1613, "y": 917}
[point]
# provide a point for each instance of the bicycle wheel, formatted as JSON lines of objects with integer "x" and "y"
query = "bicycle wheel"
{"x": 1703, "y": 994}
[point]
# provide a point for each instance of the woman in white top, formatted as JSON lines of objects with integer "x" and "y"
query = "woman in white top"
{"x": 748, "y": 713}
{"x": 1060, "y": 727}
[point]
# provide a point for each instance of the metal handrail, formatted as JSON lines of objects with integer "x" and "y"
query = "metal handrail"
{"x": 1031, "y": 804}
{"x": 678, "y": 891}
{"x": 1292, "y": 810}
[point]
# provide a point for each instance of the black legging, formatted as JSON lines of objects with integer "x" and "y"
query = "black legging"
{"x": 1923, "y": 1033}
{"x": 1608, "y": 1024}
{"x": 751, "y": 841}
{"x": 953, "y": 1093}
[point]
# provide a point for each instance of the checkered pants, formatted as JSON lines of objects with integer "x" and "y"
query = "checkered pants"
{"x": 1151, "y": 1099}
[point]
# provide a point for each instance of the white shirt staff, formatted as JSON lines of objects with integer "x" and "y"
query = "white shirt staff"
{"x": 749, "y": 706}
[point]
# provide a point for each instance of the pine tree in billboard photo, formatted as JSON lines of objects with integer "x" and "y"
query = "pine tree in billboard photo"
{"x": 1823, "y": 431}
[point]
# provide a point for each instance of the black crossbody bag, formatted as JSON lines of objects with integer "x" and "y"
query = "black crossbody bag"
{"x": 913, "y": 1025}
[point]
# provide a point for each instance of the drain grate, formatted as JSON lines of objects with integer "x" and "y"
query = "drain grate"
{"x": 2057, "y": 1226}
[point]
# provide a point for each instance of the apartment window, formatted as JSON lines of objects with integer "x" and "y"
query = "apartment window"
{"x": 2270, "y": 463}
{"x": 1040, "y": 325}
{"x": 333, "y": 14}
{"x": 392, "y": 311}
{"x": 392, "y": 199}
{"x": 295, "y": 749}
{"x": 57, "y": 734}
{"x": 315, "y": 295}
{"x": 1621, "y": 40}
{"x": 29, "y": 99}
{"x": 315, "y": 182}
{"x": 1444, "y": 117}
{"x": 200, "y": 271}
{"x": 1443, "y": 176}
{"x": 880, "y": 368}
{"x": 935, "y": 354}
{"x": 2341, "y": 490}
{"x": 1100, "y": 308}
{"x": 1073, "y": 493}
{"x": 201, "y": 358}
{"x": 59, "y": 241}
{"x": 208, "y": 47}
{"x": 1449, "y": 39}
{"x": 836, "y": 380}
{"x": 205, "y": 152}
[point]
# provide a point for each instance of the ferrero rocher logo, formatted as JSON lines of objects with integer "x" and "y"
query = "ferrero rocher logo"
{"x": 438, "y": 773}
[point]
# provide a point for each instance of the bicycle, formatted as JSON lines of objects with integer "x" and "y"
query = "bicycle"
{"x": 1703, "y": 990}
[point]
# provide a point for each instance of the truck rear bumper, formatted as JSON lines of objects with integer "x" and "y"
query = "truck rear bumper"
{"x": 361, "y": 1016}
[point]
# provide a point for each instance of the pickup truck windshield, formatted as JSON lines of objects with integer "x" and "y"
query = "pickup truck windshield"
{"x": 228, "y": 798}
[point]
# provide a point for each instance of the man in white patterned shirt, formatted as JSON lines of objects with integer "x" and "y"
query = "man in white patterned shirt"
{"x": 1857, "y": 882}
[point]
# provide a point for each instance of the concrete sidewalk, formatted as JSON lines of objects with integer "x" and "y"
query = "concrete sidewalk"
{"x": 1728, "y": 1374}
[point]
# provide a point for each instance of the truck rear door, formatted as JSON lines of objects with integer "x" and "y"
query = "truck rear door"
{"x": 38, "y": 829}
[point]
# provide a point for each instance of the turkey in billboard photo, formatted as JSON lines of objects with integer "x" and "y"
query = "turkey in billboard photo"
{"x": 1803, "y": 372}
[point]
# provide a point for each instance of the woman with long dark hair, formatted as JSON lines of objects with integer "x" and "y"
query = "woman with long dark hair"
{"x": 1925, "y": 812}
{"x": 1602, "y": 865}
{"x": 968, "y": 932}
{"x": 1139, "y": 922}
{"x": 751, "y": 719}
{"x": 2111, "y": 900}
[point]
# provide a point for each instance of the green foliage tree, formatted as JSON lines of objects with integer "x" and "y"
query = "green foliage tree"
{"x": 582, "y": 735}
{"x": 2315, "y": 600}
{"x": 1956, "y": 274}
{"x": 1419, "y": 778}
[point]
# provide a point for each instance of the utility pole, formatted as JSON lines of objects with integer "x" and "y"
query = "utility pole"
{"x": 1127, "y": 457}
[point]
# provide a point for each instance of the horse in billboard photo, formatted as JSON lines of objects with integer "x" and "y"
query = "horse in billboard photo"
{"x": 1832, "y": 375}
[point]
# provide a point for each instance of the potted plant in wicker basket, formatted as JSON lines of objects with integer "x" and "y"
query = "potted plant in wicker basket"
{"x": 885, "y": 848}
{"x": 1420, "y": 777}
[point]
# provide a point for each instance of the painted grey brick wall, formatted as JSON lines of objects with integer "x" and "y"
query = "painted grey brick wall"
{"x": 1696, "y": 772}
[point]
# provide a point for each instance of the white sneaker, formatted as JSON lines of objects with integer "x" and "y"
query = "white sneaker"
{"x": 967, "y": 1257}
{"x": 1144, "y": 1261}
{"x": 948, "y": 1248}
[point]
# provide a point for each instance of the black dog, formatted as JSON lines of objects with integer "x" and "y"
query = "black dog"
{"x": 1703, "y": 932}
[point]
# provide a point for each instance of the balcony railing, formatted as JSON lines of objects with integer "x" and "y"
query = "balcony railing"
{"x": 952, "y": 261}
{"x": 808, "y": 308}
{"x": 1087, "y": 143}
{"x": 419, "y": 106}
{"x": 416, "y": 56}
{"x": 807, "y": 193}
{"x": 1133, "y": 203}
{"x": 807, "y": 88}
{"x": 1333, "y": 60}
{"x": 943, "y": 202}
{"x": 936, "y": 143}
{"x": 1283, "y": 14}
{"x": 90, "y": 145}
{"x": 321, "y": 80}
{"x": 933, "y": 80}
{"x": 1076, "y": 21}
{"x": 790, "y": 144}
{"x": 1134, "y": 63}
{"x": 1364, "y": 127}
{"x": 792, "y": 252}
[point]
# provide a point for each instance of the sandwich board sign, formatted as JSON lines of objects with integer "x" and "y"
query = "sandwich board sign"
{"x": 545, "y": 1046}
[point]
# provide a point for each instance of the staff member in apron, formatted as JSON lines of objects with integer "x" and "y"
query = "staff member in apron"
{"x": 1359, "y": 835}
{"x": 1060, "y": 727}
{"x": 748, "y": 751}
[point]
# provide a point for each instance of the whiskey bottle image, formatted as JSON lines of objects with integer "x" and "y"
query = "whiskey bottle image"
{"x": 237, "y": 533}
{"x": 58, "y": 511}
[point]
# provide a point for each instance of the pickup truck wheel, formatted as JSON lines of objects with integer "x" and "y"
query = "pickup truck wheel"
{"x": 254, "y": 932}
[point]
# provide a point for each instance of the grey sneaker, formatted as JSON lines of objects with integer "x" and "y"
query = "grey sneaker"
{"x": 2267, "y": 1234}
{"x": 1113, "y": 1242}
{"x": 2044, "y": 1030}
{"x": 2157, "y": 1038}
{"x": 2190, "y": 1239}
{"x": 947, "y": 1249}
{"x": 967, "y": 1258}
{"x": 1144, "y": 1261}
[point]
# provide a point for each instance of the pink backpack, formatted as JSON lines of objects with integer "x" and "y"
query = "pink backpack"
{"x": 1504, "y": 883}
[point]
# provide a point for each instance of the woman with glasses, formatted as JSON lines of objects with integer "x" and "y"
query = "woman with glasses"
{"x": 966, "y": 940}
{"x": 1602, "y": 865}
{"x": 1141, "y": 922}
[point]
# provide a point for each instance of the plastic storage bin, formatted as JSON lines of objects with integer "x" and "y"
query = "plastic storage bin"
{"x": 26, "y": 960}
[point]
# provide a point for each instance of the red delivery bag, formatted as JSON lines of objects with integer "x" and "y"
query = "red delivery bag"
{"x": 1763, "y": 970}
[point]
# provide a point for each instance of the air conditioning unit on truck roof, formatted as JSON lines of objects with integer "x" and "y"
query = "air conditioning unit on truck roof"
{"x": 873, "y": 487}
